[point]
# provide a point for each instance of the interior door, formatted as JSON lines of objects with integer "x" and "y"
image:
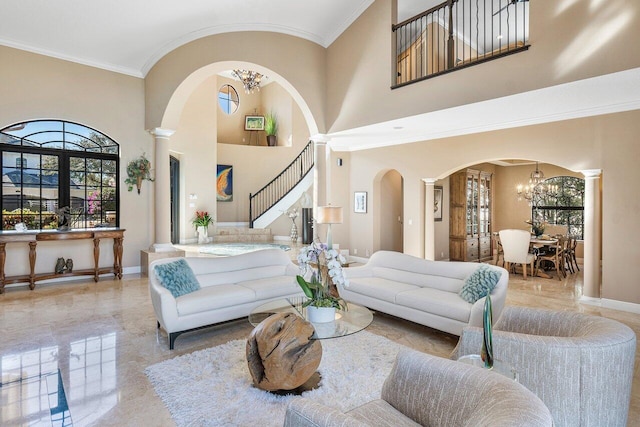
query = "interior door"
{"x": 174, "y": 178}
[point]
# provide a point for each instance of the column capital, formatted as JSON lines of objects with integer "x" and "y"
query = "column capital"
{"x": 320, "y": 138}
{"x": 429, "y": 181}
{"x": 591, "y": 173}
{"x": 161, "y": 133}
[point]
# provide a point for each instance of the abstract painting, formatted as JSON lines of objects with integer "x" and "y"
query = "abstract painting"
{"x": 224, "y": 183}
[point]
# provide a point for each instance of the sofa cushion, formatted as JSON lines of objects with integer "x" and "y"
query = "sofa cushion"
{"x": 272, "y": 287}
{"x": 177, "y": 277}
{"x": 376, "y": 287}
{"x": 240, "y": 275}
{"x": 435, "y": 301}
{"x": 443, "y": 282}
{"x": 480, "y": 283}
{"x": 214, "y": 297}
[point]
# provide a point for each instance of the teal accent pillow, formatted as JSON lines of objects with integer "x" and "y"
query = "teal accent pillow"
{"x": 480, "y": 283}
{"x": 177, "y": 277}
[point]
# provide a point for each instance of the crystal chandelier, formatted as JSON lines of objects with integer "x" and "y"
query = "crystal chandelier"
{"x": 536, "y": 189}
{"x": 250, "y": 79}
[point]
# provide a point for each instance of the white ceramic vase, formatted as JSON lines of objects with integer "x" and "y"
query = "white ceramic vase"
{"x": 321, "y": 314}
{"x": 203, "y": 234}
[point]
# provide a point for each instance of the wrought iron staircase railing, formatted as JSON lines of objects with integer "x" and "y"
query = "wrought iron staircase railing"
{"x": 265, "y": 198}
{"x": 456, "y": 34}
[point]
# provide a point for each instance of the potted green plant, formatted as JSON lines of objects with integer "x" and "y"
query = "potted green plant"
{"x": 137, "y": 170}
{"x": 271, "y": 129}
{"x": 325, "y": 266}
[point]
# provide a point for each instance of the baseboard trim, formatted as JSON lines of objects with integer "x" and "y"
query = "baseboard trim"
{"x": 621, "y": 305}
{"x": 611, "y": 304}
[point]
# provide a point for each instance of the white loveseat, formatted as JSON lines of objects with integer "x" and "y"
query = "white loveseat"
{"x": 230, "y": 287}
{"x": 422, "y": 291}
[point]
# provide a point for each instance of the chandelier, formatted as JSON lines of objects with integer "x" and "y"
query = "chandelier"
{"x": 250, "y": 79}
{"x": 536, "y": 189}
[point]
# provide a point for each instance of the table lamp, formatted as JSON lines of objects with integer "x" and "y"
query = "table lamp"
{"x": 329, "y": 215}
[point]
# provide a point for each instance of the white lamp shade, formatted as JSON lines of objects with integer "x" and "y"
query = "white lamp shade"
{"x": 329, "y": 215}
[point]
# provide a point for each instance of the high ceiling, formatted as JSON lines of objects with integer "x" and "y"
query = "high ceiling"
{"x": 129, "y": 36}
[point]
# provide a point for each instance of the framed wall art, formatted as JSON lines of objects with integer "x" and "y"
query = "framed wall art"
{"x": 253, "y": 122}
{"x": 360, "y": 202}
{"x": 437, "y": 203}
{"x": 224, "y": 183}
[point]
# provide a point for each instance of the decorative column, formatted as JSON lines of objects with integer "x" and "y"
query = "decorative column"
{"x": 591, "y": 287}
{"x": 162, "y": 191}
{"x": 429, "y": 220}
{"x": 321, "y": 176}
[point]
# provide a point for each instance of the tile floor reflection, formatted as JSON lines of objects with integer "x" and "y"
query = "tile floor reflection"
{"x": 102, "y": 336}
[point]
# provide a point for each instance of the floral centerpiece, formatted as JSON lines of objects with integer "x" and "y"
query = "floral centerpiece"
{"x": 202, "y": 219}
{"x": 201, "y": 222}
{"x": 537, "y": 227}
{"x": 325, "y": 266}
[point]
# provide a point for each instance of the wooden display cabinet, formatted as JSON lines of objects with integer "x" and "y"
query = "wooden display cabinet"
{"x": 470, "y": 202}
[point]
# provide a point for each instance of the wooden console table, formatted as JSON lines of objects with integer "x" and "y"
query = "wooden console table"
{"x": 32, "y": 238}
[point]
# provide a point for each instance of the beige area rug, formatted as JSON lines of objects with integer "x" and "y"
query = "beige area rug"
{"x": 213, "y": 387}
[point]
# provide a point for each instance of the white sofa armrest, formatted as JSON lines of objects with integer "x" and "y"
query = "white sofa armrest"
{"x": 498, "y": 298}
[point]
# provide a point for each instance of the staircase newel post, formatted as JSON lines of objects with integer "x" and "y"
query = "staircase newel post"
{"x": 250, "y": 211}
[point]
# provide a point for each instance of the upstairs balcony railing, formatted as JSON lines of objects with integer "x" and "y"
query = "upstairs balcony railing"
{"x": 457, "y": 34}
{"x": 265, "y": 198}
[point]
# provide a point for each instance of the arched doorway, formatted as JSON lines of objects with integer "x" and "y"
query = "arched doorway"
{"x": 391, "y": 211}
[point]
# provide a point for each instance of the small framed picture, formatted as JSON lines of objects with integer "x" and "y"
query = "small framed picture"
{"x": 253, "y": 122}
{"x": 437, "y": 203}
{"x": 360, "y": 202}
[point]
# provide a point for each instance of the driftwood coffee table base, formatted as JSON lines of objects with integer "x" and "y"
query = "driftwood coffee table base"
{"x": 281, "y": 355}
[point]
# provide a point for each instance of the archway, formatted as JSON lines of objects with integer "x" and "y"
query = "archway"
{"x": 177, "y": 101}
{"x": 389, "y": 211}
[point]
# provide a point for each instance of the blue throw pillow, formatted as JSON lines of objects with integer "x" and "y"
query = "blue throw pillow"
{"x": 480, "y": 283}
{"x": 177, "y": 277}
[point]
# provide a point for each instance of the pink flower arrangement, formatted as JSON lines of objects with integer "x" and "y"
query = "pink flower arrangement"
{"x": 202, "y": 219}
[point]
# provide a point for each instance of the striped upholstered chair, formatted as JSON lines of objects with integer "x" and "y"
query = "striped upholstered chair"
{"x": 581, "y": 366}
{"x": 424, "y": 390}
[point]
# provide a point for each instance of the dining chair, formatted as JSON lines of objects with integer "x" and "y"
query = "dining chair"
{"x": 499, "y": 249}
{"x": 515, "y": 244}
{"x": 555, "y": 256}
{"x": 570, "y": 254}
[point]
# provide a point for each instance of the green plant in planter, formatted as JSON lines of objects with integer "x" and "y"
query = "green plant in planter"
{"x": 271, "y": 128}
{"x": 137, "y": 170}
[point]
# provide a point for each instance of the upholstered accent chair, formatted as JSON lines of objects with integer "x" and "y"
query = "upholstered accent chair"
{"x": 431, "y": 391}
{"x": 581, "y": 366}
{"x": 515, "y": 244}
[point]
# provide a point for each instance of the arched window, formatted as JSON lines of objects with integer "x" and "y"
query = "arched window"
{"x": 565, "y": 207}
{"x": 50, "y": 164}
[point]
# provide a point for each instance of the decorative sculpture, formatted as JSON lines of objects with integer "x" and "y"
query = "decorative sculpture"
{"x": 69, "y": 265}
{"x": 281, "y": 354}
{"x": 60, "y": 266}
{"x": 487, "y": 342}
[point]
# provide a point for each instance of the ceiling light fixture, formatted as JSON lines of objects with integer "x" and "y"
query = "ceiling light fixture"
{"x": 250, "y": 79}
{"x": 536, "y": 188}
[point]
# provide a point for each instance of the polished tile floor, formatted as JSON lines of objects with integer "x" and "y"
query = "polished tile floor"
{"x": 102, "y": 336}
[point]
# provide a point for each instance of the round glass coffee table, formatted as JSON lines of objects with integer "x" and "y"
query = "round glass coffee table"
{"x": 347, "y": 322}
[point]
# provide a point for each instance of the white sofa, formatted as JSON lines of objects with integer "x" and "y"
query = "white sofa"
{"x": 422, "y": 291}
{"x": 230, "y": 287}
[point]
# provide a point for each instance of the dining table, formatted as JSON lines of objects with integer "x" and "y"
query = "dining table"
{"x": 536, "y": 244}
